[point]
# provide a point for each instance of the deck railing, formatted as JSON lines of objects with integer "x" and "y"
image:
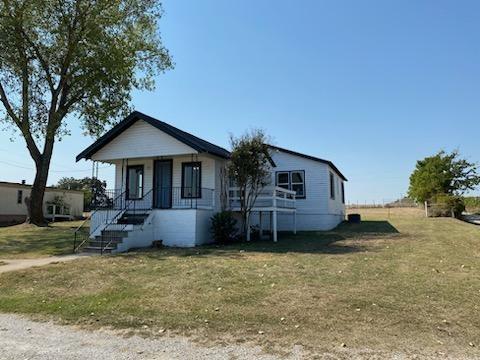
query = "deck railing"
{"x": 269, "y": 197}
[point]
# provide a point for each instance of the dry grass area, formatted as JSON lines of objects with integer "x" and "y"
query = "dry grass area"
{"x": 397, "y": 283}
{"x": 27, "y": 241}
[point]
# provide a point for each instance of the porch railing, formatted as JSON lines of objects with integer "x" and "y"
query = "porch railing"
{"x": 184, "y": 198}
{"x": 159, "y": 198}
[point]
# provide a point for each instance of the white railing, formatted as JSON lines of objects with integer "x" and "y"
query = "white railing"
{"x": 269, "y": 197}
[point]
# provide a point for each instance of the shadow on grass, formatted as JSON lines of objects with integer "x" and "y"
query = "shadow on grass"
{"x": 16, "y": 240}
{"x": 321, "y": 242}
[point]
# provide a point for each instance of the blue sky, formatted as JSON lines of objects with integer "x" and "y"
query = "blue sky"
{"x": 371, "y": 85}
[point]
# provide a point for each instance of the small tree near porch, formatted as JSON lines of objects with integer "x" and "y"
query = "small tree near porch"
{"x": 249, "y": 168}
{"x": 76, "y": 60}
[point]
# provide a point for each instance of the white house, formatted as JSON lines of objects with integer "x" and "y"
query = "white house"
{"x": 57, "y": 203}
{"x": 168, "y": 185}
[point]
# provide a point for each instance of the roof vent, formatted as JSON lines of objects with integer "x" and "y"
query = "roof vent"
{"x": 23, "y": 182}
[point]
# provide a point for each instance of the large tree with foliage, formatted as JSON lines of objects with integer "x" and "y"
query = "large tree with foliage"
{"x": 95, "y": 190}
{"x": 442, "y": 174}
{"x": 77, "y": 60}
{"x": 249, "y": 168}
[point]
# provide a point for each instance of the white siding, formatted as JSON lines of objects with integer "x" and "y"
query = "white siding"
{"x": 142, "y": 140}
{"x": 9, "y": 205}
{"x": 317, "y": 211}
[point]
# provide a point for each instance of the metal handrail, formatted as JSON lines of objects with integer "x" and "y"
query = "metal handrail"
{"x": 114, "y": 220}
{"x": 79, "y": 228}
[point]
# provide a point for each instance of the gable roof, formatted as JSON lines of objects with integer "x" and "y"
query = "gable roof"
{"x": 329, "y": 163}
{"x": 202, "y": 146}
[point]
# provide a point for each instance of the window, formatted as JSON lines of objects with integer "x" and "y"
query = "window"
{"x": 135, "y": 182}
{"x": 19, "y": 196}
{"x": 332, "y": 186}
{"x": 283, "y": 180}
{"x": 191, "y": 180}
{"x": 343, "y": 193}
{"x": 297, "y": 182}
{"x": 292, "y": 180}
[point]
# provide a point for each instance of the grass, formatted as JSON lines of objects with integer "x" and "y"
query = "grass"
{"x": 396, "y": 282}
{"x": 29, "y": 241}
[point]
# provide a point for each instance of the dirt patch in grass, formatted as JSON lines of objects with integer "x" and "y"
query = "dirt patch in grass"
{"x": 397, "y": 282}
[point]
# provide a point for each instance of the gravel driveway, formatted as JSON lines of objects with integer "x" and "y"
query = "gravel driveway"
{"x": 25, "y": 339}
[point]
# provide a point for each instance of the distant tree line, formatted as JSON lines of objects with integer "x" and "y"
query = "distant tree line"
{"x": 443, "y": 179}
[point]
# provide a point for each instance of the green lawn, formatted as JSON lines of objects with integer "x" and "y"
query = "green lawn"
{"x": 397, "y": 282}
{"x": 27, "y": 241}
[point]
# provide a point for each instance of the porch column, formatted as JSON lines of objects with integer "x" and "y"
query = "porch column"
{"x": 274, "y": 214}
{"x": 260, "y": 224}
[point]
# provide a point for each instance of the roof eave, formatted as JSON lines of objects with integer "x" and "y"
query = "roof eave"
{"x": 166, "y": 128}
{"x": 313, "y": 158}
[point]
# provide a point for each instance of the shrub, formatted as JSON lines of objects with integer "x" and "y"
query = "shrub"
{"x": 224, "y": 228}
{"x": 445, "y": 205}
{"x": 472, "y": 203}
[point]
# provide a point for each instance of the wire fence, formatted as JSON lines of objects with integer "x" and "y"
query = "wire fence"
{"x": 385, "y": 203}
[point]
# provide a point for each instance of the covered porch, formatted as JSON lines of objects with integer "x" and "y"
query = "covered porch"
{"x": 166, "y": 182}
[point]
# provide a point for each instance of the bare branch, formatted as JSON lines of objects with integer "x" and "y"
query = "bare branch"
{"x": 23, "y": 127}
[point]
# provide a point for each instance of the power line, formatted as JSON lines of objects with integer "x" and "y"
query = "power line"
{"x": 53, "y": 171}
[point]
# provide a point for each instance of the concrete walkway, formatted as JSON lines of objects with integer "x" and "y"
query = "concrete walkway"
{"x": 7, "y": 265}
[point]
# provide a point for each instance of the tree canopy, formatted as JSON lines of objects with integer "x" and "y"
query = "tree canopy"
{"x": 76, "y": 60}
{"x": 442, "y": 174}
{"x": 94, "y": 190}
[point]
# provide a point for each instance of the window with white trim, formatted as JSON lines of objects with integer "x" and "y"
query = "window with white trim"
{"x": 292, "y": 180}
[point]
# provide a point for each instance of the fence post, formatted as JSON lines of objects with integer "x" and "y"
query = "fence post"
{"x": 74, "y": 241}
{"x": 426, "y": 209}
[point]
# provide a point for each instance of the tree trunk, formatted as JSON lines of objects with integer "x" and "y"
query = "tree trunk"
{"x": 35, "y": 201}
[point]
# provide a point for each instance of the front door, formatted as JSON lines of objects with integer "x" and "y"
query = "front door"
{"x": 162, "y": 184}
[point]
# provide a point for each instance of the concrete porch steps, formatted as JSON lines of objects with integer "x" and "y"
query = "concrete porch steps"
{"x": 115, "y": 233}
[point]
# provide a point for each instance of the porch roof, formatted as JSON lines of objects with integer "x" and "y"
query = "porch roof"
{"x": 200, "y": 145}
